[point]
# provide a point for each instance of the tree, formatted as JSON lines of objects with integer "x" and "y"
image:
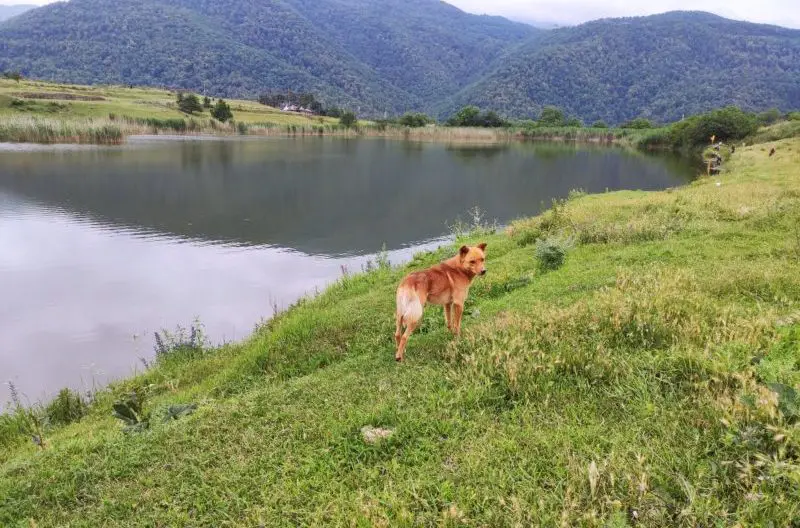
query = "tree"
{"x": 13, "y": 75}
{"x": 490, "y": 119}
{"x": 471, "y": 116}
{"x": 206, "y": 102}
{"x": 466, "y": 117}
{"x": 348, "y": 118}
{"x": 221, "y": 111}
{"x": 306, "y": 100}
{"x": 727, "y": 124}
{"x": 551, "y": 116}
{"x": 189, "y": 104}
{"x": 414, "y": 119}
{"x": 599, "y": 124}
{"x": 770, "y": 117}
{"x": 574, "y": 122}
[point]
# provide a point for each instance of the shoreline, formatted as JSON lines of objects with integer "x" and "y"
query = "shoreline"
{"x": 103, "y": 131}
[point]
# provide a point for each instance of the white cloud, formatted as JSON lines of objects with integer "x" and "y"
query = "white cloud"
{"x": 781, "y": 12}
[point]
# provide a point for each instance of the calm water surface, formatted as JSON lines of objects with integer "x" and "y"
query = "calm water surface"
{"x": 100, "y": 247}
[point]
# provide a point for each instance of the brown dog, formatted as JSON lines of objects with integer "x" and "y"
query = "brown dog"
{"x": 446, "y": 284}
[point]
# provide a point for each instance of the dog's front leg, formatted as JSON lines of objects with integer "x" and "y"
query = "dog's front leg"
{"x": 458, "y": 311}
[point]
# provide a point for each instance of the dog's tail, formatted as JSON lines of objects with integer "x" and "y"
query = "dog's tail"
{"x": 409, "y": 307}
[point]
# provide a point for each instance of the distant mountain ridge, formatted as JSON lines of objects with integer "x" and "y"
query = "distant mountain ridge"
{"x": 392, "y": 56}
{"x": 661, "y": 67}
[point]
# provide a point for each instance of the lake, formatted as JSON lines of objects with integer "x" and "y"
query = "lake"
{"x": 102, "y": 246}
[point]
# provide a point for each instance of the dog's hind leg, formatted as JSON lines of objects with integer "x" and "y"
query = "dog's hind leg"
{"x": 401, "y": 346}
{"x": 409, "y": 313}
{"x": 447, "y": 315}
{"x": 398, "y": 329}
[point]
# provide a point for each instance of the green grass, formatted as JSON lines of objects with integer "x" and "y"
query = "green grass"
{"x": 123, "y": 101}
{"x": 79, "y": 110}
{"x": 633, "y": 385}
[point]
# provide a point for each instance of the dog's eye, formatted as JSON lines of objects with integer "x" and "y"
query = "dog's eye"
{"x": 472, "y": 262}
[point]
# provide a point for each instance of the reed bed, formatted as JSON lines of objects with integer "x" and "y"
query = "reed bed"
{"x": 114, "y": 129}
{"x": 45, "y": 130}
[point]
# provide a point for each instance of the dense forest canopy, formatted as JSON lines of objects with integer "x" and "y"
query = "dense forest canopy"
{"x": 390, "y": 57}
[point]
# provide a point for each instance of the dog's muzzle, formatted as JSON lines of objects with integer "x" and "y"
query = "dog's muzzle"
{"x": 483, "y": 272}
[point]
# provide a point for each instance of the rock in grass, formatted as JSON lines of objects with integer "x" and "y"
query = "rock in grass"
{"x": 373, "y": 435}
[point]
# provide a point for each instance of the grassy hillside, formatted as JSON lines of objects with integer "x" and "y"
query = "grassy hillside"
{"x": 36, "y": 111}
{"x": 661, "y": 67}
{"x": 651, "y": 379}
{"x": 69, "y": 101}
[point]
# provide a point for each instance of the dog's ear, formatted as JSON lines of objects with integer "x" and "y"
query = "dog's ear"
{"x": 463, "y": 251}
{"x": 482, "y": 246}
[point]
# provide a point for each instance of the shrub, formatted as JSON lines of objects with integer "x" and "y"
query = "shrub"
{"x": 600, "y": 124}
{"x": 551, "y": 253}
{"x": 727, "y": 124}
{"x": 471, "y": 116}
{"x": 770, "y": 117}
{"x": 348, "y": 119}
{"x": 13, "y": 75}
{"x": 180, "y": 343}
{"x": 552, "y": 117}
{"x": 221, "y": 111}
{"x": 639, "y": 123}
{"x": 414, "y": 120}
{"x": 477, "y": 225}
{"x": 66, "y": 408}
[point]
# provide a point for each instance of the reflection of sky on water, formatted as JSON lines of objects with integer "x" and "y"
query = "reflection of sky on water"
{"x": 75, "y": 294}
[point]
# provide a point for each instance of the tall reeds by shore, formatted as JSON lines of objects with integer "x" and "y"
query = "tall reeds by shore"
{"x": 114, "y": 129}
{"x": 46, "y": 130}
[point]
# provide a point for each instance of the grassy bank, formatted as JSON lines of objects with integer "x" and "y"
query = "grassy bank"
{"x": 42, "y": 112}
{"x": 651, "y": 379}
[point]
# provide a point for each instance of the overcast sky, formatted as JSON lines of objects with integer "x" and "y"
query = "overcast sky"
{"x": 781, "y": 12}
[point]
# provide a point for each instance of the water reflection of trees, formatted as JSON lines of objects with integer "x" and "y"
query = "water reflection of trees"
{"x": 474, "y": 151}
{"x": 318, "y": 196}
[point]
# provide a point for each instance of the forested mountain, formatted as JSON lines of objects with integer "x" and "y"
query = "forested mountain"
{"x": 660, "y": 67}
{"x": 386, "y": 55}
{"x": 8, "y": 11}
{"x": 378, "y": 56}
